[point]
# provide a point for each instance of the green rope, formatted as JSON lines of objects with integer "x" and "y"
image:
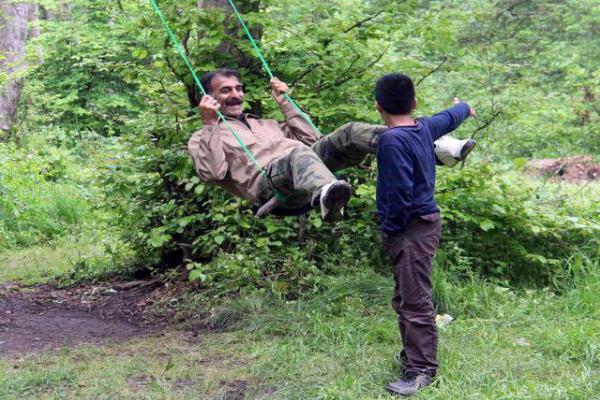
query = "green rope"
{"x": 266, "y": 66}
{"x": 181, "y": 51}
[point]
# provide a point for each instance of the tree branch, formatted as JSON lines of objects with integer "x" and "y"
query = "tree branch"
{"x": 342, "y": 76}
{"x": 432, "y": 71}
{"x": 191, "y": 91}
{"x": 487, "y": 123}
{"x": 164, "y": 89}
{"x": 184, "y": 42}
{"x": 358, "y": 72}
{"x": 363, "y": 21}
{"x": 313, "y": 67}
{"x": 310, "y": 69}
{"x": 173, "y": 70}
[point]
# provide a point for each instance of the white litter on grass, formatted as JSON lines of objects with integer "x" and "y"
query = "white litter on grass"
{"x": 443, "y": 320}
{"x": 522, "y": 342}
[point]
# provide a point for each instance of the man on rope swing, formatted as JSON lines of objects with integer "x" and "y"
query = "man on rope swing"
{"x": 298, "y": 161}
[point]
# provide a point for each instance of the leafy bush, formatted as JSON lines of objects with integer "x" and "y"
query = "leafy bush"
{"x": 513, "y": 228}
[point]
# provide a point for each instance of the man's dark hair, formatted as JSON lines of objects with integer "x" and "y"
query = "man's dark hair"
{"x": 395, "y": 93}
{"x": 208, "y": 77}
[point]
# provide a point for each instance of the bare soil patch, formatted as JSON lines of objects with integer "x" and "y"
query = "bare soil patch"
{"x": 236, "y": 390}
{"x": 46, "y": 317}
{"x": 577, "y": 169}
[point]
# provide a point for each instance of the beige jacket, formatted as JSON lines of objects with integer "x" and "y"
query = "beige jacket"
{"x": 219, "y": 158}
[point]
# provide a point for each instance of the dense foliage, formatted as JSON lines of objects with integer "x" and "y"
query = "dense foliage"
{"x": 111, "y": 93}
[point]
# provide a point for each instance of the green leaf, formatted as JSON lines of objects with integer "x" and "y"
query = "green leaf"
{"x": 219, "y": 239}
{"x": 197, "y": 275}
{"x": 157, "y": 240}
{"x": 169, "y": 366}
{"x": 486, "y": 225}
{"x": 499, "y": 209}
{"x": 519, "y": 162}
{"x": 199, "y": 189}
{"x": 140, "y": 53}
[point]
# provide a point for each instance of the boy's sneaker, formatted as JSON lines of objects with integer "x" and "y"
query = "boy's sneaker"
{"x": 449, "y": 151}
{"x": 333, "y": 198}
{"x": 410, "y": 384}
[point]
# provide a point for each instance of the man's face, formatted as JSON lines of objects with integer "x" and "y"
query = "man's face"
{"x": 228, "y": 91}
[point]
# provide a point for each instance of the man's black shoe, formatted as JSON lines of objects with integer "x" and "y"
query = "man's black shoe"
{"x": 466, "y": 149}
{"x": 333, "y": 198}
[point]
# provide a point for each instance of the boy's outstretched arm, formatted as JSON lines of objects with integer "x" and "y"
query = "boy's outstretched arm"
{"x": 448, "y": 120}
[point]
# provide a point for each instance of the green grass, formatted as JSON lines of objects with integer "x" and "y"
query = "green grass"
{"x": 138, "y": 369}
{"x": 31, "y": 266}
{"x": 74, "y": 258}
{"x": 504, "y": 344}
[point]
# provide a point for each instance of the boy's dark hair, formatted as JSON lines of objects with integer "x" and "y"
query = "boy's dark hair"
{"x": 208, "y": 77}
{"x": 395, "y": 93}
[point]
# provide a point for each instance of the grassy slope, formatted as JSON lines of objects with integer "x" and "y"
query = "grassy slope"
{"x": 341, "y": 345}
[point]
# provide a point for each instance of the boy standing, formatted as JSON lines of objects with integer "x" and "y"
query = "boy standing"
{"x": 410, "y": 219}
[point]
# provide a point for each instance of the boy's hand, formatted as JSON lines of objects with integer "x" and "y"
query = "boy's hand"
{"x": 278, "y": 88}
{"x": 208, "y": 110}
{"x": 472, "y": 112}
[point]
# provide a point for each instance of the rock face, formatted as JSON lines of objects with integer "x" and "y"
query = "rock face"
{"x": 570, "y": 169}
{"x": 17, "y": 24}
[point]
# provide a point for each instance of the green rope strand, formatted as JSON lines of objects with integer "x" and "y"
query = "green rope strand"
{"x": 181, "y": 51}
{"x": 266, "y": 66}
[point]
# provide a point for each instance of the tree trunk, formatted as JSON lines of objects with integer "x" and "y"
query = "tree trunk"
{"x": 15, "y": 28}
{"x": 243, "y": 7}
{"x": 62, "y": 11}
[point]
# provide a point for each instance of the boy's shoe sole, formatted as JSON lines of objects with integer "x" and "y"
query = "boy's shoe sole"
{"x": 334, "y": 199}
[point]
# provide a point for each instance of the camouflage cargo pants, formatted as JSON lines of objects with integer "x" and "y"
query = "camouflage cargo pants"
{"x": 302, "y": 173}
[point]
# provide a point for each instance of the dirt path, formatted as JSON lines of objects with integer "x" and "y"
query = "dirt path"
{"x": 48, "y": 318}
